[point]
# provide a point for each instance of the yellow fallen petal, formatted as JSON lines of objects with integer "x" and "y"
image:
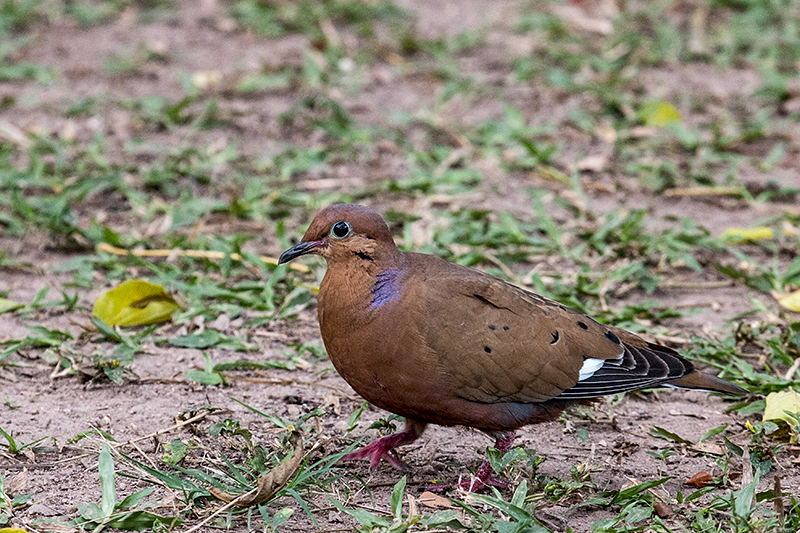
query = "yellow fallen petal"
{"x": 780, "y": 402}
{"x": 134, "y": 303}
{"x": 791, "y": 301}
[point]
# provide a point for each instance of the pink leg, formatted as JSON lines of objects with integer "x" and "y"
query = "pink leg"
{"x": 383, "y": 448}
{"x": 485, "y": 477}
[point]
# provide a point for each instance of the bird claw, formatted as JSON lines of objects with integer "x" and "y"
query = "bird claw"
{"x": 375, "y": 451}
{"x": 383, "y": 448}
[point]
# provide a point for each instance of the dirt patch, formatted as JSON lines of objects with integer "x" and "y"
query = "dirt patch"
{"x": 611, "y": 442}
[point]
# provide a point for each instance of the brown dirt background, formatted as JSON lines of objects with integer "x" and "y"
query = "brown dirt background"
{"x": 60, "y": 408}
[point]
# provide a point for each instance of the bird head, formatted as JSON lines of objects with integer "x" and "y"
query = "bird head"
{"x": 343, "y": 232}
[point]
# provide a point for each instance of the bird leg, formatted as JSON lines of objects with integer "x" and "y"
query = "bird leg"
{"x": 485, "y": 477}
{"x": 383, "y": 448}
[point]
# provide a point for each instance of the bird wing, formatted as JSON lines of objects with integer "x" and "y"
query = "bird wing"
{"x": 500, "y": 343}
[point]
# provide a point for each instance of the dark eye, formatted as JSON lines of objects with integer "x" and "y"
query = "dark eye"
{"x": 340, "y": 230}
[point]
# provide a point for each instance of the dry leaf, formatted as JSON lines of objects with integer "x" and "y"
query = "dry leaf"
{"x": 135, "y": 303}
{"x": 708, "y": 447}
{"x": 269, "y": 483}
{"x": 18, "y": 484}
{"x": 206, "y": 78}
{"x": 662, "y": 509}
{"x": 593, "y": 163}
{"x": 700, "y": 480}
{"x": 430, "y": 499}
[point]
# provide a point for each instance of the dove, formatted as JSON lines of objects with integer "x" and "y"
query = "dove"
{"x": 440, "y": 343}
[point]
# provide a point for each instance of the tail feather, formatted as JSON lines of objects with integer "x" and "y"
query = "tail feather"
{"x": 700, "y": 381}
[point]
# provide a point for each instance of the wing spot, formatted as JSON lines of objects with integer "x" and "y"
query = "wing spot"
{"x": 555, "y": 337}
{"x": 583, "y": 325}
{"x": 505, "y": 328}
{"x": 613, "y": 338}
{"x": 487, "y": 349}
{"x": 364, "y": 256}
{"x": 492, "y": 327}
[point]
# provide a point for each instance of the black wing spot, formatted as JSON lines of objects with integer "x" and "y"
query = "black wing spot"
{"x": 492, "y": 327}
{"x": 505, "y": 328}
{"x": 613, "y": 338}
{"x": 364, "y": 256}
{"x": 583, "y": 325}
{"x": 487, "y": 349}
{"x": 555, "y": 337}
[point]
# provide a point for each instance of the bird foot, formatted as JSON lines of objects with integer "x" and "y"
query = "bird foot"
{"x": 375, "y": 451}
{"x": 485, "y": 477}
{"x": 383, "y": 448}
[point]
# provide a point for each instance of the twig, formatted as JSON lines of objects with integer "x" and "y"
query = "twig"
{"x": 705, "y": 191}
{"x": 792, "y": 369}
{"x": 698, "y": 284}
{"x": 202, "y": 254}
{"x": 494, "y": 259}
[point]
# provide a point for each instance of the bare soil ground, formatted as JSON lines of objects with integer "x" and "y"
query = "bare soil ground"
{"x": 199, "y": 37}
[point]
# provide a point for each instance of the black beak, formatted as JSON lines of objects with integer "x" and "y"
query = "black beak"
{"x": 301, "y": 248}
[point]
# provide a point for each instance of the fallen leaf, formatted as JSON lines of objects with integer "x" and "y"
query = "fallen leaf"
{"x": 662, "y": 509}
{"x": 748, "y": 234}
{"x": 430, "y": 499}
{"x": 593, "y": 163}
{"x": 791, "y": 301}
{"x": 134, "y": 303}
{"x": 206, "y": 78}
{"x": 18, "y": 484}
{"x": 782, "y": 406}
{"x": 7, "y": 306}
{"x": 659, "y": 113}
{"x": 269, "y": 483}
{"x": 708, "y": 447}
{"x": 700, "y": 480}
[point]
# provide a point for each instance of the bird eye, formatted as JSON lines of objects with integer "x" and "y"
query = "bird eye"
{"x": 340, "y": 230}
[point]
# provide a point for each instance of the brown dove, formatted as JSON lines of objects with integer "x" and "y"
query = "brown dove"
{"x": 440, "y": 343}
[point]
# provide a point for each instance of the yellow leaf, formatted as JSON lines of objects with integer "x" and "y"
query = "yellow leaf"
{"x": 12, "y": 530}
{"x": 791, "y": 301}
{"x": 748, "y": 234}
{"x": 7, "y": 306}
{"x": 780, "y": 402}
{"x": 659, "y": 113}
{"x": 134, "y": 303}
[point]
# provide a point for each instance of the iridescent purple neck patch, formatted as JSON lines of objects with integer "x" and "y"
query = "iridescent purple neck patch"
{"x": 387, "y": 287}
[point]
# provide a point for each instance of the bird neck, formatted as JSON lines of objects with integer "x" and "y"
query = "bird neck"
{"x": 356, "y": 286}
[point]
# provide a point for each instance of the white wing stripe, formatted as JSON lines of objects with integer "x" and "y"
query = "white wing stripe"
{"x": 590, "y": 366}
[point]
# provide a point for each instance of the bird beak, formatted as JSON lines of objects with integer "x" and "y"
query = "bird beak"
{"x": 301, "y": 248}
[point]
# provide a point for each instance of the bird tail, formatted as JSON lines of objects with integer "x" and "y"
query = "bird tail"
{"x": 698, "y": 380}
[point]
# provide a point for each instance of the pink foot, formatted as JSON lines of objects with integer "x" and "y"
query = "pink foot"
{"x": 383, "y": 448}
{"x": 485, "y": 476}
